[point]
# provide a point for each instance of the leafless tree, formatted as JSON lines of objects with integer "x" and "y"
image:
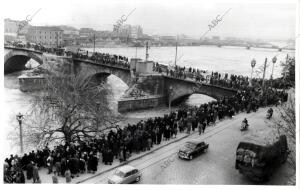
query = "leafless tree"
{"x": 69, "y": 108}
{"x": 285, "y": 124}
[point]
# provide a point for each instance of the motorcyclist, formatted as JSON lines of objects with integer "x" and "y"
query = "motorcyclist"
{"x": 269, "y": 113}
{"x": 244, "y": 124}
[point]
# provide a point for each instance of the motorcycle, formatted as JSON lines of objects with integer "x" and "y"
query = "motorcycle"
{"x": 244, "y": 126}
{"x": 269, "y": 115}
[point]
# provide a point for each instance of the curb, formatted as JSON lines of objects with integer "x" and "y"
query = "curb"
{"x": 124, "y": 163}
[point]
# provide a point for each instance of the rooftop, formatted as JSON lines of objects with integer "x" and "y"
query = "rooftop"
{"x": 48, "y": 28}
{"x": 126, "y": 168}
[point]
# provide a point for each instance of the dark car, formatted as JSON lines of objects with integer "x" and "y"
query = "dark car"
{"x": 191, "y": 149}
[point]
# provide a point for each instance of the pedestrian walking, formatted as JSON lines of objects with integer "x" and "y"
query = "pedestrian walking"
{"x": 200, "y": 127}
{"x": 68, "y": 176}
{"x": 54, "y": 177}
{"x": 204, "y": 126}
{"x": 36, "y": 175}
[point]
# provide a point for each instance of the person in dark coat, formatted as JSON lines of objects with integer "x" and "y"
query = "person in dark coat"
{"x": 29, "y": 171}
{"x": 54, "y": 177}
{"x": 90, "y": 163}
{"x": 68, "y": 175}
{"x": 63, "y": 166}
{"x": 124, "y": 151}
{"x": 94, "y": 160}
{"x": 71, "y": 166}
{"x": 110, "y": 156}
{"x": 20, "y": 178}
{"x": 76, "y": 166}
{"x": 36, "y": 175}
{"x": 104, "y": 156}
{"x": 204, "y": 127}
{"x": 50, "y": 164}
{"x": 81, "y": 165}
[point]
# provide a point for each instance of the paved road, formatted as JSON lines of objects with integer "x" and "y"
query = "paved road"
{"x": 216, "y": 166}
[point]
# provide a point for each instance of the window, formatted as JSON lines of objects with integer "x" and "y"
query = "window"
{"x": 128, "y": 174}
{"x": 119, "y": 173}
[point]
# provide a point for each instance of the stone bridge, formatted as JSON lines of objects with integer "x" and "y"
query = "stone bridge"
{"x": 15, "y": 59}
{"x": 160, "y": 89}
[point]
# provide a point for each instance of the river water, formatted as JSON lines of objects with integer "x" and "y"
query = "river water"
{"x": 225, "y": 59}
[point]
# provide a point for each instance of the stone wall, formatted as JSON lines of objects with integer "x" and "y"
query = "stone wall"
{"x": 141, "y": 103}
{"x": 33, "y": 83}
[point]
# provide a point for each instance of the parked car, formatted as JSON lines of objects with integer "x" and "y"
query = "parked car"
{"x": 125, "y": 175}
{"x": 191, "y": 149}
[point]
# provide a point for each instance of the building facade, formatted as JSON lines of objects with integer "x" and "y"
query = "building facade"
{"x": 128, "y": 31}
{"x": 15, "y": 30}
{"x": 86, "y": 32}
{"x": 136, "y": 32}
{"x": 45, "y": 35}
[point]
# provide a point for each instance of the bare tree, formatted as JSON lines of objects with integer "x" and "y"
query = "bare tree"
{"x": 69, "y": 108}
{"x": 285, "y": 124}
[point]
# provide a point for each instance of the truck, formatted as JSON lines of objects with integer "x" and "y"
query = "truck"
{"x": 258, "y": 162}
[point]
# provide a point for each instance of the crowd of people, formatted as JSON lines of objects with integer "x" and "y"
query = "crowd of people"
{"x": 180, "y": 72}
{"x": 70, "y": 160}
{"x": 215, "y": 78}
{"x": 103, "y": 58}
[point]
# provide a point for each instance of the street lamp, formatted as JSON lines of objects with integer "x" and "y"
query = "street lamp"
{"x": 20, "y": 119}
{"x": 97, "y": 121}
{"x": 170, "y": 95}
{"x": 273, "y": 61}
{"x": 253, "y": 63}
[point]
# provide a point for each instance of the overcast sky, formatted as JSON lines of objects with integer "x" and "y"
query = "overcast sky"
{"x": 267, "y": 20}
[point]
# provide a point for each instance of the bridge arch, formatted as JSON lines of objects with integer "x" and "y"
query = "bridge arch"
{"x": 183, "y": 89}
{"x": 91, "y": 69}
{"x": 15, "y": 60}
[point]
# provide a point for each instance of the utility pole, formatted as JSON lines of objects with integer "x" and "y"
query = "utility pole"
{"x": 170, "y": 96}
{"x": 94, "y": 42}
{"x": 135, "y": 51}
{"x": 176, "y": 50}
{"x": 263, "y": 83}
{"x": 273, "y": 61}
{"x": 97, "y": 119}
{"x": 147, "y": 48}
{"x": 20, "y": 119}
{"x": 253, "y": 63}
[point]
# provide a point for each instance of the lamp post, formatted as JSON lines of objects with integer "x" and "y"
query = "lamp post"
{"x": 273, "y": 61}
{"x": 170, "y": 95}
{"x": 97, "y": 121}
{"x": 20, "y": 119}
{"x": 264, "y": 74}
{"x": 94, "y": 42}
{"x": 253, "y": 63}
